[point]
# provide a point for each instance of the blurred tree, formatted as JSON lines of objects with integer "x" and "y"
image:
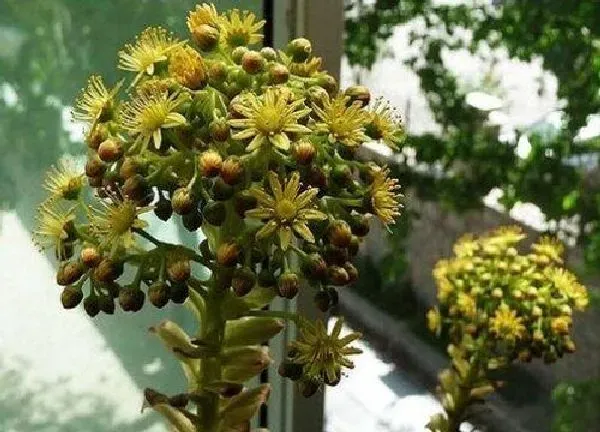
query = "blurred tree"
{"x": 468, "y": 159}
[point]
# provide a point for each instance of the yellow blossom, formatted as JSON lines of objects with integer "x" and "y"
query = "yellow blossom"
{"x": 434, "y": 321}
{"x": 323, "y": 355}
{"x": 240, "y": 28}
{"x": 150, "y": 47}
{"x": 466, "y": 304}
{"x": 285, "y": 210}
{"x": 344, "y": 124}
{"x": 268, "y": 118}
{"x": 385, "y": 196}
{"x": 506, "y": 325}
{"x": 95, "y": 102}
{"x": 560, "y": 325}
{"x": 466, "y": 246}
{"x": 149, "y": 112}
{"x": 567, "y": 285}
{"x": 63, "y": 181}
{"x": 384, "y": 124}
{"x": 549, "y": 247}
{"x": 204, "y": 14}
{"x": 113, "y": 223}
{"x": 54, "y": 220}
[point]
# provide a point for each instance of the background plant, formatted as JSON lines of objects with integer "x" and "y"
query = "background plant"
{"x": 496, "y": 307}
{"x": 258, "y": 150}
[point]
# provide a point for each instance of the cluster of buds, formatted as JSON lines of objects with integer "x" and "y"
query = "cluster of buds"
{"x": 257, "y": 148}
{"x": 498, "y": 306}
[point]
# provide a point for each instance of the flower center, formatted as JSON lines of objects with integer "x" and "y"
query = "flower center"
{"x": 285, "y": 209}
{"x": 153, "y": 117}
{"x": 269, "y": 121}
{"x": 123, "y": 218}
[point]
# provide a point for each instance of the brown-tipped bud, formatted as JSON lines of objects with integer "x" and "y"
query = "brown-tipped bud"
{"x": 107, "y": 271}
{"x": 110, "y": 150}
{"x": 359, "y": 93}
{"x": 94, "y": 167}
{"x": 91, "y": 305}
{"x": 328, "y": 83}
{"x": 335, "y": 255}
{"x": 342, "y": 175}
{"x": 221, "y": 191}
{"x": 299, "y": 49}
{"x": 214, "y": 213}
{"x": 288, "y": 285}
{"x": 183, "y": 201}
{"x": 322, "y": 301}
{"x": 338, "y": 275}
{"x": 268, "y": 53}
{"x": 352, "y": 272}
{"x": 136, "y": 188}
{"x": 290, "y": 370}
{"x": 131, "y": 299}
{"x": 304, "y": 152}
{"x": 158, "y": 294}
{"x": 360, "y": 226}
{"x": 340, "y": 234}
{"x": 219, "y": 130}
{"x": 106, "y": 304}
{"x": 179, "y": 292}
{"x": 308, "y": 387}
{"x": 279, "y": 74}
{"x": 210, "y": 163}
{"x": 315, "y": 267}
{"x": 217, "y": 73}
{"x": 163, "y": 209}
{"x": 69, "y": 273}
{"x": 232, "y": 171}
{"x": 70, "y": 297}
{"x": 205, "y": 36}
{"x": 243, "y": 202}
{"x": 354, "y": 246}
{"x": 243, "y": 281}
{"x": 332, "y": 382}
{"x": 90, "y": 256}
{"x": 179, "y": 270}
{"x": 129, "y": 168}
{"x": 180, "y": 400}
{"x": 192, "y": 220}
{"x": 228, "y": 254}
{"x": 96, "y": 136}
{"x": 253, "y": 62}
{"x": 317, "y": 177}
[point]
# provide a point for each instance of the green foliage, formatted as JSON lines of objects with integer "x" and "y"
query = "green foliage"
{"x": 576, "y": 406}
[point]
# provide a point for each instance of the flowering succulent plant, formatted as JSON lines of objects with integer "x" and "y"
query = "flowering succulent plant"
{"x": 499, "y": 306}
{"x": 258, "y": 150}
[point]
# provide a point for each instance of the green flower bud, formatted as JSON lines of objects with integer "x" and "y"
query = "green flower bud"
{"x": 214, "y": 213}
{"x": 91, "y": 306}
{"x": 243, "y": 281}
{"x": 130, "y": 167}
{"x": 238, "y": 53}
{"x": 96, "y": 136}
{"x": 183, "y": 201}
{"x": 69, "y": 273}
{"x": 158, "y": 294}
{"x": 179, "y": 292}
{"x": 288, "y": 285}
{"x": 219, "y": 131}
{"x": 106, "y": 304}
{"x": 335, "y": 255}
{"x": 322, "y": 301}
{"x": 315, "y": 267}
{"x": 354, "y": 246}
{"x": 94, "y": 167}
{"x": 131, "y": 299}
{"x": 268, "y": 53}
{"x": 110, "y": 150}
{"x": 360, "y": 94}
{"x": 107, "y": 271}
{"x": 290, "y": 370}
{"x": 251, "y": 330}
{"x": 340, "y": 234}
{"x": 192, "y": 221}
{"x": 217, "y": 73}
{"x": 136, "y": 188}
{"x": 304, "y": 152}
{"x": 205, "y": 249}
{"x": 221, "y": 190}
{"x": 243, "y": 202}
{"x": 360, "y": 226}
{"x": 299, "y": 49}
{"x": 338, "y": 275}
{"x": 253, "y": 62}
{"x": 71, "y": 296}
{"x": 163, "y": 209}
{"x": 205, "y": 36}
{"x": 279, "y": 74}
{"x": 351, "y": 271}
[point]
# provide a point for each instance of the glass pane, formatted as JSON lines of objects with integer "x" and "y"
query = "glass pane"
{"x": 61, "y": 370}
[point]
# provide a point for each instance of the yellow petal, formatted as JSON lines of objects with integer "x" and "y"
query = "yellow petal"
{"x": 280, "y": 141}
{"x": 260, "y": 213}
{"x": 267, "y": 230}
{"x": 306, "y": 197}
{"x": 157, "y": 137}
{"x": 275, "y": 185}
{"x": 304, "y": 232}
{"x": 311, "y": 214}
{"x": 292, "y": 186}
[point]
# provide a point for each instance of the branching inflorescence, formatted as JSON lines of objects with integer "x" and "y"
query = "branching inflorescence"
{"x": 258, "y": 150}
{"x": 498, "y": 306}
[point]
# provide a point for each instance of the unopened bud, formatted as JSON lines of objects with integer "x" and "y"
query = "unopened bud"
{"x": 316, "y": 267}
{"x": 106, "y": 304}
{"x": 71, "y": 296}
{"x": 136, "y": 188}
{"x": 110, "y": 150}
{"x": 210, "y": 163}
{"x": 206, "y": 37}
{"x": 340, "y": 234}
{"x": 107, "y": 271}
{"x": 304, "y": 152}
{"x": 94, "y": 167}
{"x": 279, "y": 73}
{"x": 69, "y": 273}
{"x": 163, "y": 209}
{"x": 322, "y": 301}
{"x": 338, "y": 275}
{"x": 352, "y": 272}
{"x": 299, "y": 49}
{"x": 91, "y": 306}
{"x": 158, "y": 294}
{"x": 217, "y": 73}
{"x": 179, "y": 292}
{"x": 215, "y": 213}
{"x": 253, "y": 62}
{"x": 308, "y": 387}
{"x": 90, "y": 256}
{"x": 268, "y": 53}
{"x": 360, "y": 94}
{"x": 179, "y": 270}
{"x": 237, "y": 54}
{"x": 228, "y": 254}
{"x": 219, "y": 131}
{"x": 192, "y": 220}
{"x": 182, "y": 201}
{"x": 232, "y": 171}
{"x": 288, "y": 285}
{"x": 131, "y": 299}
{"x": 243, "y": 281}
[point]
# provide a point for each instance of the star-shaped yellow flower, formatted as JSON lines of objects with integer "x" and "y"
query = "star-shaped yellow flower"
{"x": 285, "y": 210}
{"x": 506, "y": 325}
{"x": 342, "y": 122}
